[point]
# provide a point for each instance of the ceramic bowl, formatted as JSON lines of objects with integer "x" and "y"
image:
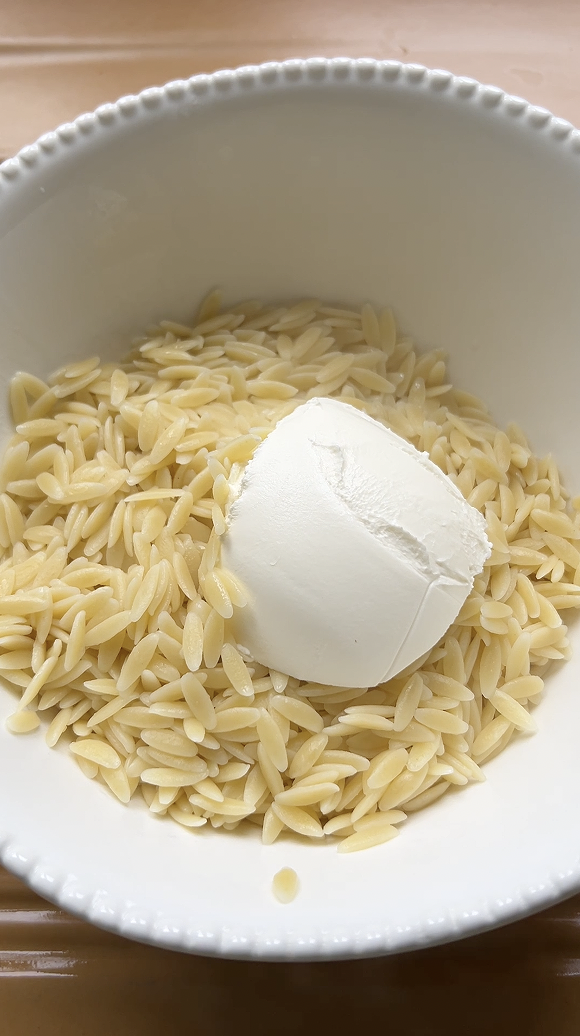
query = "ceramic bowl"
{"x": 351, "y": 180}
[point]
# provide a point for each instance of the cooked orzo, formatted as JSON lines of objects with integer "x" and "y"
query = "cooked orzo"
{"x": 115, "y": 613}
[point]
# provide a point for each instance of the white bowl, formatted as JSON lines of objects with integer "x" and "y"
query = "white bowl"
{"x": 351, "y": 180}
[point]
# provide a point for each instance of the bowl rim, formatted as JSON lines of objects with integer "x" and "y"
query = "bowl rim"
{"x": 285, "y": 74}
{"x": 25, "y": 861}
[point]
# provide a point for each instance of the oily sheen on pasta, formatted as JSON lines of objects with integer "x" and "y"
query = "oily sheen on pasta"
{"x": 115, "y": 611}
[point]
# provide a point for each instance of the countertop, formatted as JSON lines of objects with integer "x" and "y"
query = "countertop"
{"x": 58, "y": 975}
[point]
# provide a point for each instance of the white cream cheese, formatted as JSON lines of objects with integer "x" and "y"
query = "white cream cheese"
{"x": 356, "y": 551}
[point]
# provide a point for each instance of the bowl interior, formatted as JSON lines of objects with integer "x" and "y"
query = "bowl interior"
{"x": 467, "y": 221}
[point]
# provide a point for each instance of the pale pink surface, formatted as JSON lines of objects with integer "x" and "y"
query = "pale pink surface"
{"x": 59, "y": 58}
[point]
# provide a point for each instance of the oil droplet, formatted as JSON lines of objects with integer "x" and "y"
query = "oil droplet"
{"x": 285, "y": 885}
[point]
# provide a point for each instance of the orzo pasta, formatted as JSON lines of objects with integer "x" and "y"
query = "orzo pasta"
{"x": 115, "y": 612}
